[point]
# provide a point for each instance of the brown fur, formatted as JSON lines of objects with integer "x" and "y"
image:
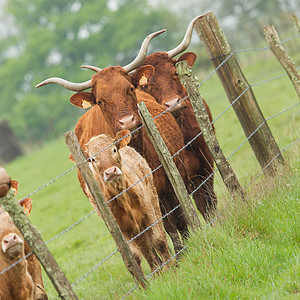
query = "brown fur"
{"x": 114, "y": 93}
{"x": 32, "y": 264}
{"x": 137, "y": 208}
{"x": 165, "y": 85}
{"x": 16, "y": 283}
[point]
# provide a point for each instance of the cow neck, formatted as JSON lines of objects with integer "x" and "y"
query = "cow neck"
{"x": 137, "y": 141}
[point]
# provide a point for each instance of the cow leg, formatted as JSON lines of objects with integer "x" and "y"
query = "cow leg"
{"x": 158, "y": 239}
{"x": 169, "y": 225}
{"x": 205, "y": 197}
{"x": 136, "y": 255}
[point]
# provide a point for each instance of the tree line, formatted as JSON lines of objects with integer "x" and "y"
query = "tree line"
{"x": 54, "y": 38}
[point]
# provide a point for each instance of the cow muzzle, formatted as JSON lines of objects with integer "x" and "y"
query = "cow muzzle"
{"x": 175, "y": 106}
{"x": 12, "y": 245}
{"x": 128, "y": 122}
{"x": 112, "y": 174}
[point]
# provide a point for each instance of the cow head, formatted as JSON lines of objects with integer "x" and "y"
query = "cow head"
{"x": 105, "y": 161}
{"x": 162, "y": 82}
{"x": 12, "y": 245}
{"x": 111, "y": 89}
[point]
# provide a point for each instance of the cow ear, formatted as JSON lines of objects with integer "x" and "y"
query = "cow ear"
{"x": 125, "y": 134}
{"x": 142, "y": 74}
{"x": 190, "y": 57}
{"x": 83, "y": 100}
{"x": 27, "y": 205}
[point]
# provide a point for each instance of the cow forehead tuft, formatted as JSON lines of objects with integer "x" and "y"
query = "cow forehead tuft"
{"x": 99, "y": 142}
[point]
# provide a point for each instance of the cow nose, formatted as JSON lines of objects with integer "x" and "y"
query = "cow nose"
{"x": 127, "y": 122}
{"x": 10, "y": 240}
{"x": 111, "y": 173}
{"x": 172, "y": 103}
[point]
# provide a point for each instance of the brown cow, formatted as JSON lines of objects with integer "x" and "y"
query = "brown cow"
{"x": 15, "y": 283}
{"x": 113, "y": 91}
{"x": 164, "y": 85}
{"x": 5, "y": 182}
{"x": 117, "y": 168}
{"x": 33, "y": 266}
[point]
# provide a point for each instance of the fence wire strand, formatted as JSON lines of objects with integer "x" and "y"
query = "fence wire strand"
{"x": 206, "y": 79}
{"x": 218, "y": 215}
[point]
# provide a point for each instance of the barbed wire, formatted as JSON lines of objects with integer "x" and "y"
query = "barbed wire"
{"x": 290, "y": 145}
{"x": 15, "y": 263}
{"x": 160, "y": 219}
{"x": 187, "y": 144}
{"x": 218, "y": 215}
{"x": 252, "y": 85}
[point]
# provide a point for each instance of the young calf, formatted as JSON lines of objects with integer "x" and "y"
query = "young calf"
{"x": 16, "y": 283}
{"x": 117, "y": 168}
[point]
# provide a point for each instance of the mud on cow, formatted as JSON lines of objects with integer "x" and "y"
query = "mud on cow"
{"x": 116, "y": 169}
{"x": 161, "y": 81}
{"x": 114, "y": 99}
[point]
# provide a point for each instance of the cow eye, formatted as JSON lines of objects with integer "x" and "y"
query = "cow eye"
{"x": 99, "y": 102}
{"x": 131, "y": 89}
{"x": 146, "y": 86}
{"x": 115, "y": 150}
{"x": 92, "y": 159}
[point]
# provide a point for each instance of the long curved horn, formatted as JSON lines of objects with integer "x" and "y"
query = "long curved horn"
{"x": 140, "y": 57}
{"x": 96, "y": 69}
{"x": 143, "y": 52}
{"x": 186, "y": 40}
{"x": 72, "y": 86}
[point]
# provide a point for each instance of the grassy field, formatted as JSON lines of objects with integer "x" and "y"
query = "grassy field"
{"x": 251, "y": 252}
{"x": 223, "y": 261}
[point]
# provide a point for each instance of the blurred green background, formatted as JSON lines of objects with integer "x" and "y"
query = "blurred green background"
{"x": 41, "y": 39}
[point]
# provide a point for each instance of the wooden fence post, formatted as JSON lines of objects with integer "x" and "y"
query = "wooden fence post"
{"x": 108, "y": 217}
{"x": 273, "y": 40}
{"x": 170, "y": 168}
{"x": 190, "y": 83}
{"x": 38, "y": 246}
{"x": 235, "y": 84}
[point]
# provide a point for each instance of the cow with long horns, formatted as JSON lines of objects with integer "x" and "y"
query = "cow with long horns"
{"x": 113, "y": 100}
{"x": 162, "y": 82}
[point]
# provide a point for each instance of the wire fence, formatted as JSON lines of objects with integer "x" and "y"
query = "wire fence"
{"x": 228, "y": 56}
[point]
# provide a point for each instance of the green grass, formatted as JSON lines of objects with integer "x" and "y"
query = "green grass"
{"x": 252, "y": 251}
{"x": 245, "y": 255}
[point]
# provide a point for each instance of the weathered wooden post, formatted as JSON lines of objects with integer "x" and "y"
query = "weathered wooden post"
{"x": 170, "y": 168}
{"x": 236, "y": 85}
{"x": 108, "y": 217}
{"x": 296, "y": 22}
{"x": 190, "y": 83}
{"x": 273, "y": 41}
{"x": 36, "y": 243}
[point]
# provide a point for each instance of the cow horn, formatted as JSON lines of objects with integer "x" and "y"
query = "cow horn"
{"x": 96, "y": 69}
{"x": 72, "y": 86}
{"x": 140, "y": 57}
{"x": 143, "y": 52}
{"x": 186, "y": 40}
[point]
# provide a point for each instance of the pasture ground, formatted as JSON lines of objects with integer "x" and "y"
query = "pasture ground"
{"x": 252, "y": 251}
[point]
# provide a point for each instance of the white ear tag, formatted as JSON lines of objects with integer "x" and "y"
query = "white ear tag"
{"x": 143, "y": 80}
{"x": 85, "y": 104}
